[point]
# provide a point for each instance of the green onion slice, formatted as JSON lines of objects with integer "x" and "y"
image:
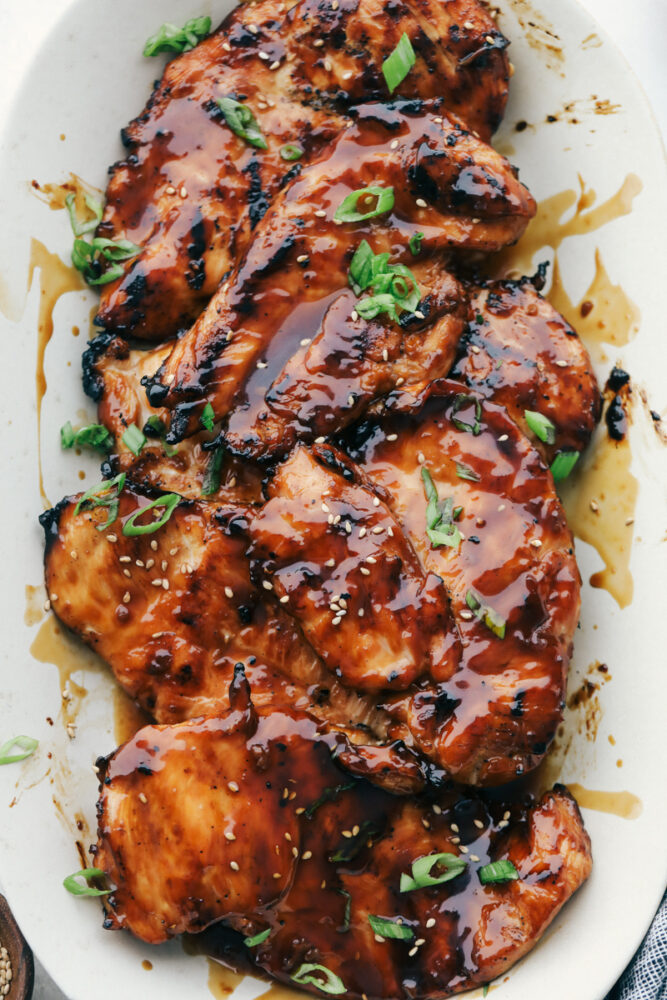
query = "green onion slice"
{"x": 134, "y": 439}
{"x": 461, "y": 401}
{"x": 465, "y": 472}
{"x": 440, "y": 526}
{"x": 390, "y": 928}
{"x": 67, "y": 436}
{"x": 329, "y": 794}
{"x": 81, "y": 227}
{"x": 291, "y": 151}
{"x": 353, "y": 846}
{"x": 498, "y": 871}
{"x": 422, "y": 868}
{"x": 415, "y": 243}
{"x": 77, "y": 889}
{"x": 252, "y": 942}
{"x": 104, "y": 494}
{"x": 394, "y": 284}
{"x": 154, "y": 426}
{"x": 327, "y": 981}
{"x": 87, "y": 258}
{"x": 211, "y": 483}
{"x": 345, "y": 926}
{"x": 541, "y": 426}
{"x": 397, "y": 66}
{"x": 169, "y": 501}
{"x": 241, "y": 121}
{"x": 366, "y": 203}
{"x": 170, "y": 38}
{"x": 94, "y": 436}
{"x": 27, "y": 745}
{"x": 563, "y": 464}
{"x": 207, "y": 418}
{"x": 493, "y": 621}
{"x": 485, "y": 990}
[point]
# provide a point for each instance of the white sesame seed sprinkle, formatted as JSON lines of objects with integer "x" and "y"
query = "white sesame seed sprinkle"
{"x": 165, "y": 584}
{"x": 430, "y": 922}
{"x": 261, "y": 364}
{"x": 149, "y": 563}
{"x": 473, "y": 857}
{"x": 234, "y": 866}
{"x": 229, "y": 835}
{"x": 421, "y": 203}
{"x": 478, "y": 823}
{"x": 320, "y": 213}
{"x": 413, "y": 951}
{"x": 437, "y": 809}
{"x": 503, "y": 437}
{"x": 385, "y": 355}
{"x": 157, "y": 582}
{"x": 454, "y": 827}
{"x": 275, "y": 64}
{"x": 362, "y": 532}
{"x": 127, "y": 597}
{"x": 337, "y": 620}
{"x": 378, "y": 529}
{"x": 318, "y": 43}
{"x": 350, "y": 400}
{"x": 394, "y": 144}
{"x": 302, "y": 258}
{"x": 419, "y": 314}
{"x": 327, "y": 65}
{"x": 127, "y": 573}
{"x": 348, "y": 527}
{"x": 112, "y": 538}
{"x": 285, "y": 599}
{"x": 267, "y": 585}
{"x": 124, "y": 559}
{"x": 364, "y": 571}
{"x": 264, "y": 55}
{"x": 562, "y": 364}
{"x": 354, "y": 315}
{"x": 153, "y": 544}
{"x": 463, "y": 849}
{"x": 232, "y": 786}
{"x": 536, "y": 543}
{"x": 305, "y": 341}
{"x": 142, "y": 798}
{"x": 392, "y": 437}
{"x": 501, "y": 507}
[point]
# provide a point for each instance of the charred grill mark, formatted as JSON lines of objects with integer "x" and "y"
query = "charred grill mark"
{"x": 258, "y": 202}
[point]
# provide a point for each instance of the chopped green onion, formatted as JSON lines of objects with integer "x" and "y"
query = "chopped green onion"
{"x": 252, "y": 942}
{"x": 87, "y": 258}
{"x": 134, "y": 439}
{"x": 207, "y": 418}
{"x": 328, "y": 982}
{"x": 211, "y": 483}
{"x": 94, "y": 436}
{"x": 154, "y": 427}
{"x": 465, "y": 472}
{"x": 345, "y": 926}
{"x": 485, "y": 990}
{"x": 104, "y": 494}
{"x": 394, "y": 284}
{"x": 498, "y": 871}
{"x": 170, "y": 38}
{"x": 328, "y": 795}
{"x": 440, "y": 526}
{"x": 373, "y": 305}
{"x": 291, "y": 151}
{"x": 169, "y": 501}
{"x": 493, "y": 621}
{"x": 366, "y": 203}
{"x": 541, "y": 426}
{"x": 390, "y": 929}
{"x": 95, "y": 206}
{"x": 563, "y": 464}
{"x": 461, "y": 400}
{"x": 242, "y": 121}
{"x": 415, "y": 243}
{"x": 421, "y": 871}
{"x": 27, "y": 744}
{"x": 77, "y": 889}
{"x": 397, "y": 66}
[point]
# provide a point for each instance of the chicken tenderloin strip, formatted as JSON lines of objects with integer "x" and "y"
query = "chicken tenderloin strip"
{"x": 479, "y": 507}
{"x": 247, "y": 820}
{"x": 284, "y": 328}
{"x": 190, "y": 191}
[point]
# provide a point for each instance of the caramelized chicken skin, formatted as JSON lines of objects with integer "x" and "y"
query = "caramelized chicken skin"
{"x": 338, "y": 558}
{"x": 255, "y": 825}
{"x": 190, "y": 191}
{"x": 241, "y": 354}
{"x": 512, "y": 578}
{"x": 519, "y": 352}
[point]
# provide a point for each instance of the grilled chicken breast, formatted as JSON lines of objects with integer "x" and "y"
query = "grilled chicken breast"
{"x": 283, "y": 328}
{"x": 248, "y": 819}
{"x": 190, "y": 191}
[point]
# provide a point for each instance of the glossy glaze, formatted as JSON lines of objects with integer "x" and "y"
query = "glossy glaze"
{"x": 190, "y": 192}
{"x": 234, "y": 809}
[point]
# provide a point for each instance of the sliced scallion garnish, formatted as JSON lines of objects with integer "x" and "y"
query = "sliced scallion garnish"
{"x": 394, "y": 285}
{"x": 327, "y": 982}
{"x": 207, "y": 418}
{"x": 345, "y": 926}
{"x": 329, "y": 794}
{"x": 77, "y": 889}
{"x": 170, "y": 38}
{"x": 134, "y": 439}
{"x": 462, "y": 400}
{"x": 94, "y": 436}
{"x": 365, "y": 203}
{"x": 88, "y": 257}
{"x": 291, "y": 151}
{"x": 498, "y": 871}
{"x": 541, "y": 426}
{"x": 397, "y": 65}
{"x": 421, "y": 871}
{"x": 211, "y": 483}
{"x": 96, "y": 207}
{"x": 465, "y": 472}
{"x": 493, "y": 621}
{"x": 563, "y": 464}
{"x": 154, "y": 427}
{"x": 390, "y": 928}
{"x": 415, "y": 243}
{"x": 440, "y": 526}
{"x": 169, "y": 501}
{"x": 27, "y": 745}
{"x": 104, "y": 494}
{"x": 241, "y": 121}
{"x": 252, "y": 942}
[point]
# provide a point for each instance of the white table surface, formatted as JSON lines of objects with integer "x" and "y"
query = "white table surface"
{"x": 638, "y": 27}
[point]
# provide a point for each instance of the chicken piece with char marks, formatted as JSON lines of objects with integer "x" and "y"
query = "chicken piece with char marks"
{"x": 247, "y": 355}
{"x": 190, "y": 191}
{"x": 257, "y": 827}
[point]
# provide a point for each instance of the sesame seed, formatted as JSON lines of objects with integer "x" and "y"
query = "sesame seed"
{"x": 430, "y": 922}
{"x": 468, "y": 25}
{"x": 371, "y": 559}
{"x": 320, "y": 440}
{"x": 336, "y": 620}
{"x": 277, "y": 875}
{"x": 234, "y": 866}
{"x": 419, "y": 314}
{"x": 47, "y": 605}
{"x": 112, "y": 538}
{"x": 536, "y": 543}
{"x": 170, "y": 189}
{"x": 400, "y": 381}
{"x": 165, "y": 584}
{"x": 360, "y": 612}
{"x": 503, "y": 437}
{"x": 629, "y": 521}
{"x": 307, "y": 855}
{"x": 275, "y": 64}
{"x": 226, "y": 46}
{"x": 318, "y": 43}
{"x": 354, "y": 315}
{"x": 378, "y": 529}
{"x": 364, "y": 571}
{"x": 305, "y": 341}
{"x": 139, "y": 562}
{"x": 506, "y": 814}
{"x": 456, "y": 840}
{"x": 475, "y": 349}
{"x": 127, "y": 597}
{"x": 348, "y": 527}
{"x": 379, "y": 939}
{"x": 300, "y": 810}
{"x": 476, "y": 222}
{"x": 437, "y": 809}
{"x": 302, "y": 258}
{"x": 157, "y": 582}
{"x": 127, "y": 573}
{"x": 362, "y": 532}
{"x": 267, "y": 585}
{"x": 124, "y": 559}
{"x": 323, "y": 884}
{"x": 376, "y": 502}
{"x": 164, "y": 564}
{"x": 390, "y": 531}
{"x": 501, "y": 507}
{"x": 425, "y": 823}
{"x": 261, "y": 364}
{"x": 421, "y": 203}
{"x": 327, "y": 65}
{"x": 229, "y": 835}
{"x": 285, "y": 599}
{"x": 342, "y": 602}
{"x": 385, "y": 355}
{"x": 346, "y": 833}
{"x": 350, "y": 400}
{"x": 419, "y": 942}
{"x": 149, "y": 563}
{"x": 473, "y": 857}
{"x": 325, "y": 508}
{"x": 489, "y": 39}
{"x": 295, "y": 852}
{"x": 463, "y": 849}
{"x": 562, "y": 364}
{"x": 157, "y": 635}
{"x": 253, "y": 28}
{"x": 330, "y": 563}
{"x": 264, "y": 55}
{"x": 320, "y": 213}
{"x": 394, "y": 144}
{"x": 153, "y": 544}
{"x": 413, "y": 951}
{"x": 232, "y": 786}
{"x": 503, "y": 823}
{"x": 392, "y": 437}
{"x": 330, "y": 519}
{"x": 594, "y": 507}
{"x": 421, "y": 458}
{"x": 183, "y": 192}
{"x": 347, "y": 74}
{"x": 142, "y": 798}
{"x": 334, "y": 4}
{"x": 478, "y": 823}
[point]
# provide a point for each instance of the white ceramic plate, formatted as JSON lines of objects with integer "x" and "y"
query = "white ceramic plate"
{"x": 86, "y": 81}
